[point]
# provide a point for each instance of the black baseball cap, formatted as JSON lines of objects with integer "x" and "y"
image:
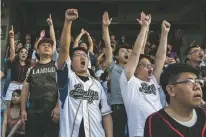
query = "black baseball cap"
{"x": 45, "y": 40}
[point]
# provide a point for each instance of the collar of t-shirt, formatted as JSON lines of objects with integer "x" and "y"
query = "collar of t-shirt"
{"x": 83, "y": 78}
{"x": 191, "y": 122}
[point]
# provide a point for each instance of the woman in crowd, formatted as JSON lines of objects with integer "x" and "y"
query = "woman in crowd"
{"x": 12, "y": 125}
{"x": 19, "y": 65}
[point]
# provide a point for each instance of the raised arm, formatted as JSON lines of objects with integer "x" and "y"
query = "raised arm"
{"x": 42, "y": 35}
{"x": 99, "y": 58}
{"x": 65, "y": 40}
{"x": 12, "y": 46}
{"x": 90, "y": 41}
{"x": 51, "y": 31}
{"x": 161, "y": 51}
{"x": 76, "y": 42}
{"x": 145, "y": 40}
{"x": 105, "y": 36}
{"x": 133, "y": 61}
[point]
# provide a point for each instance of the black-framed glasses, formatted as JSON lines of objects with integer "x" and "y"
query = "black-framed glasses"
{"x": 191, "y": 82}
{"x": 146, "y": 65}
{"x": 80, "y": 55}
{"x": 197, "y": 52}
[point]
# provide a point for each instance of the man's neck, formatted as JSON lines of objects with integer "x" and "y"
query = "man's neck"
{"x": 22, "y": 62}
{"x": 45, "y": 60}
{"x": 195, "y": 64}
{"x": 121, "y": 64}
{"x": 84, "y": 74}
{"x": 179, "y": 112}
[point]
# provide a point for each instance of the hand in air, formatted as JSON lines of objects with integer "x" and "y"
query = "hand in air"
{"x": 83, "y": 31}
{"x": 144, "y": 20}
{"x": 165, "y": 26}
{"x": 105, "y": 19}
{"x": 49, "y": 20}
{"x": 42, "y": 34}
{"x": 71, "y": 15}
{"x": 11, "y": 32}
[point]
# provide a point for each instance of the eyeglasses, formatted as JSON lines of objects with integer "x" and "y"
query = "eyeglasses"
{"x": 146, "y": 65}
{"x": 191, "y": 82}
{"x": 47, "y": 44}
{"x": 79, "y": 55}
{"x": 197, "y": 52}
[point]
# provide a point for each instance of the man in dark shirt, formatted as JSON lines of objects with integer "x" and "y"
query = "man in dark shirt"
{"x": 43, "y": 113}
{"x": 195, "y": 57}
{"x": 182, "y": 117}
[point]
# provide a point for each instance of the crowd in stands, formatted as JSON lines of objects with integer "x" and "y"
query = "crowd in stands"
{"x": 61, "y": 86}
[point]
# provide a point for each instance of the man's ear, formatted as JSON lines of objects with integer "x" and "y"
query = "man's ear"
{"x": 189, "y": 56}
{"x": 170, "y": 90}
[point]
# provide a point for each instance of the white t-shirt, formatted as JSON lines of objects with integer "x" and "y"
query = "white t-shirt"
{"x": 141, "y": 99}
{"x": 80, "y": 100}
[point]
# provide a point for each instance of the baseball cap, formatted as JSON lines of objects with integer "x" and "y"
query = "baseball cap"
{"x": 45, "y": 40}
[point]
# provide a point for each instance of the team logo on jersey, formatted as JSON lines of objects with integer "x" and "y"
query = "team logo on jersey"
{"x": 147, "y": 89}
{"x": 79, "y": 93}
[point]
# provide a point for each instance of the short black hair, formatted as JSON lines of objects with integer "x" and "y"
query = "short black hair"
{"x": 75, "y": 49}
{"x": 172, "y": 73}
{"x": 188, "y": 50}
{"x": 144, "y": 56}
{"x": 121, "y": 47}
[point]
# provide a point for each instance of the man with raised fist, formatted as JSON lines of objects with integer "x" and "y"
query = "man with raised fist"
{"x": 140, "y": 79}
{"x": 83, "y": 103}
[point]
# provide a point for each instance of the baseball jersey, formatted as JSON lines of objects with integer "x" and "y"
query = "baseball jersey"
{"x": 80, "y": 100}
{"x": 141, "y": 99}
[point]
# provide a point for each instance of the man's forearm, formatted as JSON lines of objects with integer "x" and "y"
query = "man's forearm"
{"x": 161, "y": 52}
{"x": 76, "y": 42}
{"x": 65, "y": 39}
{"x": 52, "y": 35}
{"x": 105, "y": 35}
{"x": 91, "y": 45}
{"x": 24, "y": 97}
{"x": 108, "y": 125}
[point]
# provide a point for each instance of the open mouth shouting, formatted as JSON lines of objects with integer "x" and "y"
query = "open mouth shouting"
{"x": 83, "y": 63}
{"x": 150, "y": 72}
{"x": 126, "y": 57}
{"x": 23, "y": 56}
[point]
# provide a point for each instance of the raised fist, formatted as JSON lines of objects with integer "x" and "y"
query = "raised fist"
{"x": 49, "y": 20}
{"x": 71, "y": 15}
{"x": 144, "y": 20}
{"x": 105, "y": 19}
{"x": 42, "y": 34}
{"x": 165, "y": 26}
{"x": 11, "y": 32}
{"x": 83, "y": 31}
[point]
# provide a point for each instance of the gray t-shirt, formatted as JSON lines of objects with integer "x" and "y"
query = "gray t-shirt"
{"x": 115, "y": 71}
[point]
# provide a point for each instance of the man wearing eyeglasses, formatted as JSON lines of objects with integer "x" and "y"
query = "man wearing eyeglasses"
{"x": 182, "y": 117}
{"x": 195, "y": 57}
{"x": 139, "y": 80}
